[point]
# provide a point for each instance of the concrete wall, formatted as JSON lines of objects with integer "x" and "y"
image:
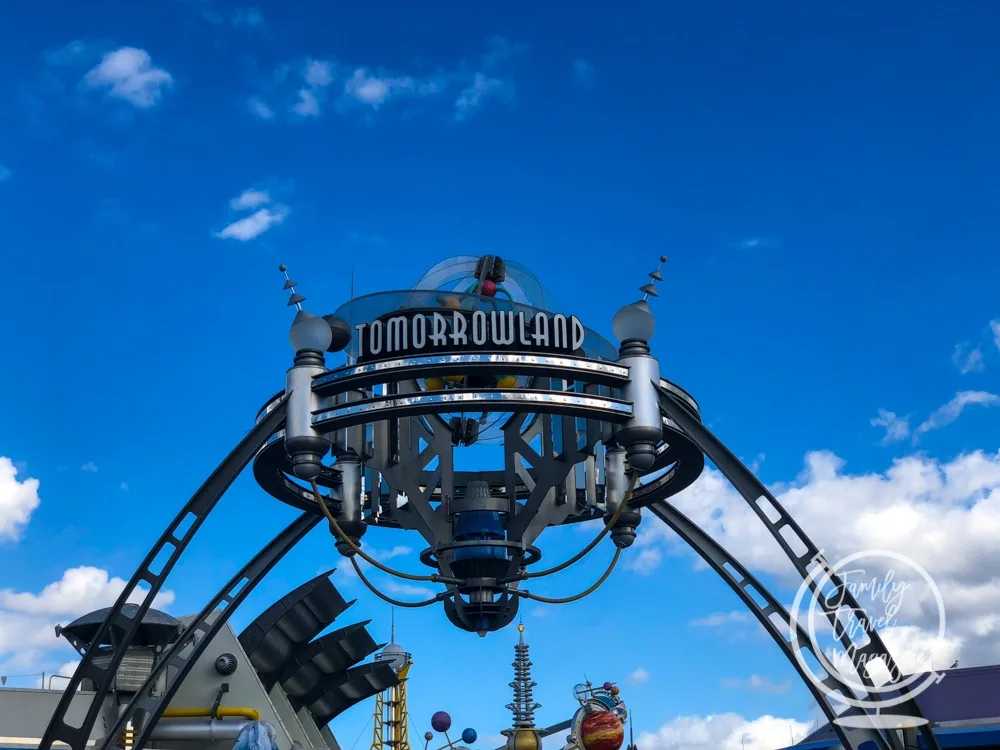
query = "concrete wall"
{"x": 25, "y": 713}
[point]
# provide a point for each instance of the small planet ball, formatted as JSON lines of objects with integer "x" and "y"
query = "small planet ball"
{"x": 428, "y": 736}
{"x": 507, "y": 381}
{"x": 469, "y": 736}
{"x": 489, "y": 288}
{"x": 602, "y": 730}
{"x": 441, "y": 721}
{"x": 615, "y": 690}
{"x": 434, "y": 384}
{"x": 608, "y": 685}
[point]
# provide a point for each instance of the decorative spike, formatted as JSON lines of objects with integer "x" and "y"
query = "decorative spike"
{"x": 649, "y": 290}
{"x": 294, "y": 299}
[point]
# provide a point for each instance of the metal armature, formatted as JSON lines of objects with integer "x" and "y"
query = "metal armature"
{"x": 146, "y": 708}
{"x": 745, "y": 584}
{"x": 152, "y": 572}
{"x": 783, "y": 528}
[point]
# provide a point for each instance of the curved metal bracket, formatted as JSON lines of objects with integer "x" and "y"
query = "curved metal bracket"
{"x": 741, "y": 581}
{"x": 784, "y": 527}
{"x": 153, "y": 571}
{"x": 145, "y": 710}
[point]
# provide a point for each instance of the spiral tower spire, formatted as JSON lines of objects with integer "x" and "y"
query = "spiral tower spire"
{"x": 523, "y": 706}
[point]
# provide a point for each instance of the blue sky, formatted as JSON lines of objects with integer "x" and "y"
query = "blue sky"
{"x": 825, "y": 186}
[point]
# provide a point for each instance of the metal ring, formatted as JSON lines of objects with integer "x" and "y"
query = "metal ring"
{"x": 531, "y": 553}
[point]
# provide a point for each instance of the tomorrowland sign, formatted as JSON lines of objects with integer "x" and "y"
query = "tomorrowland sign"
{"x": 422, "y": 332}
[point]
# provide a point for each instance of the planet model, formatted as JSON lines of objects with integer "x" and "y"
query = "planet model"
{"x": 441, "y": 721}
{"x": 469, "y": 736}
{"x": 601, "y": 730}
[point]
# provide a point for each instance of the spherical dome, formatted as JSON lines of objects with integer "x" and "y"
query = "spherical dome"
{"x": 428, "y": 736}
{"x": 615, "y": 690}
{"x": 469, "y": 735}
{"x": 524, "y": 739}
{"x": 393, "y": 655}
{"x": 634, "y": 321}
{"x": 441, "y": 721}
{"x": 341, "y": 331}
{"x": 310, "y": 332}
{"x": 601, "y": 730}
{"x": 607, "y": 685}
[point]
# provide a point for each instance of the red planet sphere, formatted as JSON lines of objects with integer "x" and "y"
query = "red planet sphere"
{"x": 602, "y": 730}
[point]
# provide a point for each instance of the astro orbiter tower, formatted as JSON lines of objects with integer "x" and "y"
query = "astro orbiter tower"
{"x": 524, "y": 735}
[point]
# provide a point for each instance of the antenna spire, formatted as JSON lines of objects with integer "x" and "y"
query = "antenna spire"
{"x": 392, "y": 625}
{"x": 295, "y": 298}
{"x": 649, "y": 290}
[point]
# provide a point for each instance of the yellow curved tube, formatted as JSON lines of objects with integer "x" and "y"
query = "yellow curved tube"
{"x": 190, "y": 713}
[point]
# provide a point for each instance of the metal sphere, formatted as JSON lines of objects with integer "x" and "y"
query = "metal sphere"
{"x": 282, "y": 268}
{"x": 441, "y": 721}
{"x": 608, "y": 685}
{"x": 469, "y": 735}
{"x": 428, "y": 736}
{"x": 341, "y": 333}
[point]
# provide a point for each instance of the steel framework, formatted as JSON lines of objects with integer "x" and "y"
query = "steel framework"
{"x": 571, "y": 437}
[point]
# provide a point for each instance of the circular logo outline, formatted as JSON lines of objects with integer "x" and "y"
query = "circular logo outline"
{"x": 823, "y": 571}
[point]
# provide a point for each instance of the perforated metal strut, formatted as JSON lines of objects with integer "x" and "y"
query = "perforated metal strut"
{"x": 152, "y": 573}
{"x": 753, "y": 491}
{"x": 145, "y": 709}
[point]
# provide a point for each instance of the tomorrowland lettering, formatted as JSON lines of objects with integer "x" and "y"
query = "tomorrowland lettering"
{"x": 415, "y": 332}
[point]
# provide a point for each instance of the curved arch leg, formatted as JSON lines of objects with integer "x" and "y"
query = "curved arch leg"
{"x": 743, "y": 582}
{"x": 145, "y": 710}
{"x": 784, "y": 526}
{"x": 153, "y": 573}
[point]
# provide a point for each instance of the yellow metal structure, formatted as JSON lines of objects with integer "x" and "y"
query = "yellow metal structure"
{"x": 392, "y": 717}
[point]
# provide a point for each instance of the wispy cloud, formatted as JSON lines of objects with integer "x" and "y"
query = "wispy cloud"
{"x": 128, "y": 74}
{"x": 721, "y": 619}
{"x": 757, "y": 243}
{"x": 967, "y": 358}
{"x": 995, "y": 330}
{"x": 646, "y": 561}
{"x": 259, "y": 108}
{"x": 757, "y": 684}
{"x": 4, "y": 173}
{"x": 408, "y": 589}
{"x": 952, "y": 410}
{"x": 896, "y": 428}
{"x": 638, "y": 676}
{"x": 265, "y": 216}
{"x": 90, "y": 467}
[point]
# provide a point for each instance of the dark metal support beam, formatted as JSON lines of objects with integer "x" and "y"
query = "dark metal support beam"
{"x": 152, "y": 572}
{"x": 783, "y": 528}
{"x": 145, "y": 710}
{"x": 741, "y": 581}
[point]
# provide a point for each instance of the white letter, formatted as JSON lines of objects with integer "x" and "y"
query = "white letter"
{"x": 396, "y": 334}
{"x": 360, "y": 328}
{"x": 503, "y": 327}
{"x": 419, "y": 332}
{"x": 458, "y": 327}
{"x": 541, "y": 334}
{"x": 559, "y": 336}
{"x": 578, "y": 332}
{"x": 522, "y": 334}
{"x": 479, "y": 328}
{"x": 439, "y": 327}
{"x": 375, "y": 340}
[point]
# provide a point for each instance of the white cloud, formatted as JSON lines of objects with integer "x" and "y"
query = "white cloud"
{"x": 307, "y": 105}
{"x": 89, "y": 467}
{"x": 374, "y": 90}
{"x": 128, "y": 73}
{"x": 952, "y": 410}
{"x": 4, "y": 173}
{"x": 995, "y": 330}
{"x": 720, "y": 619}
{"x": 646, "y": 561}
{"x": 317, "y": 76}
{"x": 248, "y": 17}
{"x": 68, "y": 55}
{"x": 319, "y": 73}
{"x": 724, "y": 732}
{"x": 250, "y": 199}
{"x": 482, "y": 88}
{"x": 408, "y": 589}
{"x": 945, "y": 515}
{"x": 638, "y": 676}
{"x": 249, "y": 227}
{"x": 967, "y": 360}
{"x": 896, "y": 428}
{"x": 28, "y": 620}
{"x": 18, "y": 500}
{"x": 760, "y": 684}
{"x": 757, "y": 243}
{"x": 260, "y": 108}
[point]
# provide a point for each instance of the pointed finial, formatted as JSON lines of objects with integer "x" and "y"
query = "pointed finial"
{"x": 649, "y": 290}
{"x": 294, "y": 299}
{"x": 392, "y": 621}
